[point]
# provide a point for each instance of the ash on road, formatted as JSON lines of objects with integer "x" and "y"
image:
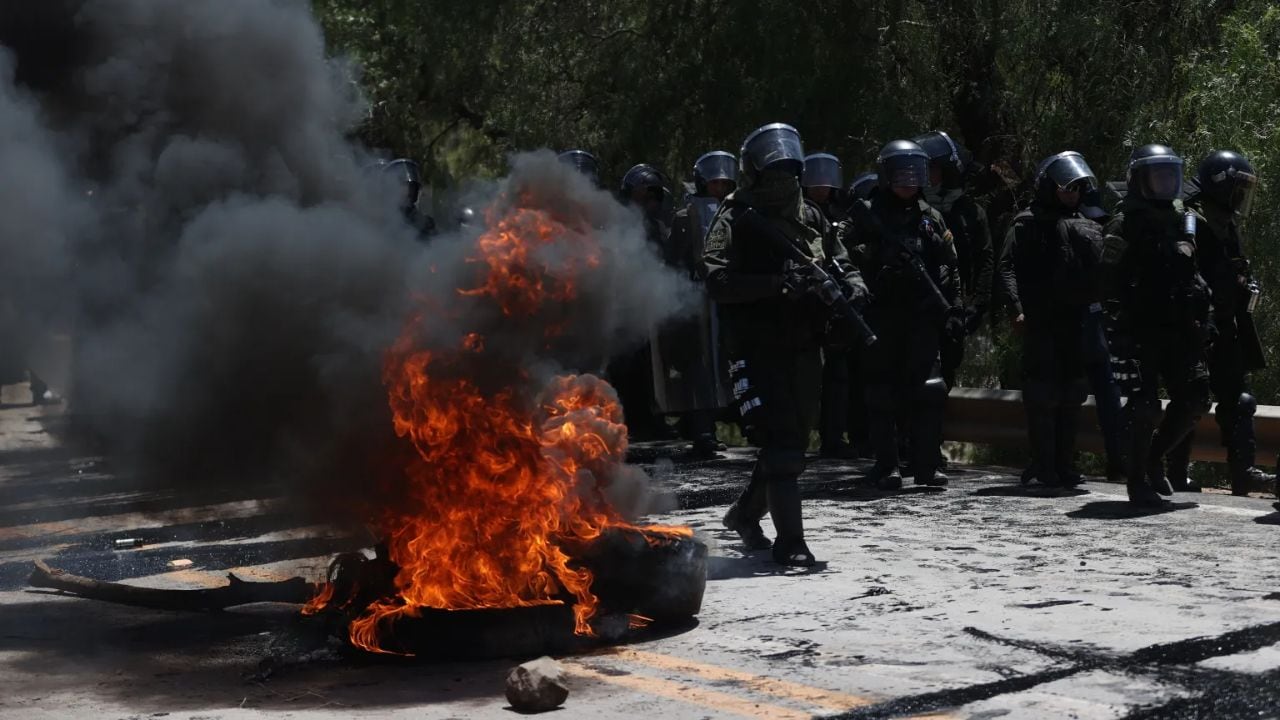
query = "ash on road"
{"x": 983, "y": 600}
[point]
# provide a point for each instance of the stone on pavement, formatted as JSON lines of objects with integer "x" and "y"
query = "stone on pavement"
{"x": 537, "y": 686}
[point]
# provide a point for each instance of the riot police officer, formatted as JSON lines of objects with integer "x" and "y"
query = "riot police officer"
{"x": 971, "y": 231}
{"x": 854, "y": 419}
{"x": 1163, "y": 314}
{"x": 690, "y": 372}
{"x": 861, "y": 187}
{"x": 643, "y": 187}
{"x": 822, "y": 179}
{"x": 774, "y": 326}
{"x": 909, "y": 263}
{"x": 407, "y": 176}
{"x": 1050, "y": 266}
{"x": 1226, "y": 183}
{"x": 584, "y": 162}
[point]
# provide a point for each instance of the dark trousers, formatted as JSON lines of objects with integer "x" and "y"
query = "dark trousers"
{"x": 905, "y": 392}
{"x": 779, "y": 409}
{"x": 1179, "y": 363}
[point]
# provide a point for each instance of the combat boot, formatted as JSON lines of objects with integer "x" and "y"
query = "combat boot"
{"x": 1041, "y": 437}
{"x": 743, "y": 517}
{"x": 884, "y": 477}
{"x": 1249, "y": 479}
{"x": 784, "y": 507}
{"x": 1068, "y": 418}
{"x": 1155, "y": 473}
{"x": 1178, "y": 464}
{"x": 1141, "y": 494}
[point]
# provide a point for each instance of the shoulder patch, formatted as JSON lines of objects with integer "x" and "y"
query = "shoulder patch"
{"x": 719, "y": 235}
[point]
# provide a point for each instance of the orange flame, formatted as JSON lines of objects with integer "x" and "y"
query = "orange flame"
{"x": 500, "y": 483}
{"x": 320, "y": 601}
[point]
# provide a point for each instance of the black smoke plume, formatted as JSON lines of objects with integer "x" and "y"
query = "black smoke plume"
{"x": 181, "y": 190}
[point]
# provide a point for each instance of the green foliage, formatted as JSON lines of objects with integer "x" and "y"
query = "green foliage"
{"x": 462, "y": 85}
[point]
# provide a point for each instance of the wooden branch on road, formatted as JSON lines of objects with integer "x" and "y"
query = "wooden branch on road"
{"x": 236, "y": 592}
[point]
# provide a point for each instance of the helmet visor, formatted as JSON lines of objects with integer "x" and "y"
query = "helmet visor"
{"x": 1069, "y": 171}
{"x": 907, "y": 171}
{"x": 716, "y": 166}
{"x": 1242, "y": 185}
{"x": 822, "y": 170}
{"x": 862, "y": 185}
{"x": 583, "y": 162}
{"x": 1158, "y": 177}
{"x": 774, "y": 145}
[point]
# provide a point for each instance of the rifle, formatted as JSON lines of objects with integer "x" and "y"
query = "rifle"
{"x": 825, "y": 287}
{"x": 936, "y": 296}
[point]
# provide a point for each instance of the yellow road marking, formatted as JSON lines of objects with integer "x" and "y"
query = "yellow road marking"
{"x": 783, "y": 689}
{"x": 718, "y": 701}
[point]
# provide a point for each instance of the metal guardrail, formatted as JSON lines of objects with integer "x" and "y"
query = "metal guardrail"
{"x": 996, "y": 417}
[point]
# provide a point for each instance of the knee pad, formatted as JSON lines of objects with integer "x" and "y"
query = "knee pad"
{"x": 933, "y": 393}
{"x": 1247, "y": 405}
{"x": 784, "y": 463}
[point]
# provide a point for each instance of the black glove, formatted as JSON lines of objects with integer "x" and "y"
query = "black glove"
{"x": 798, "y": 280}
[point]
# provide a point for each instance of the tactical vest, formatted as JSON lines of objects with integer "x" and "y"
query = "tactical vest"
{"x": 1167, "y": 288}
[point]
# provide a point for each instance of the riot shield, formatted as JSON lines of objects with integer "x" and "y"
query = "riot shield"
{"x": 689, "y": 369}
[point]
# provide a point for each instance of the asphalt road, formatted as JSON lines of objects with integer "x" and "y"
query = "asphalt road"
{"x": 983, "y": 600}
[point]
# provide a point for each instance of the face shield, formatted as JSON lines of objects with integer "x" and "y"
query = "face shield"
{"x": 862, "y": 185}
{"x": 822, "y": 170}
{"x": 718, "y": 165}
{"x": 906, "y": 171}
{"x": 777, "y": 145}
{"x": 1158, "y": 177}
{"x": 1069, "y": 171}
{"x": 1242, "y": 186}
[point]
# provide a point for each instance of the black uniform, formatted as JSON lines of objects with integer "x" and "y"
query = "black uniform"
{"x": 971, "y": 234}
{"x": 632, "y": 374}
{"x": 1050, "y": 267}
{"x": 690, "y": 371}
{"x": 774, "y": 328}
{"x": 898, "y": 243}
{"x": 1227, "y": 182}
{"x": 1163, "y": 314}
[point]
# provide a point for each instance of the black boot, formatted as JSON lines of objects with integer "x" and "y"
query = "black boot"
{"x": 1040, "y": 434}
{"x": 1178, "y": 422}
{"x": 1245, "y": 480}
{"x": 884, "y": 474}
{"x": 926, "y": 433}
{"x": 1178, "y": 465}
{"x": 1241, "y": 456}
{"x": 1141, "y": 421}
{"x": 38, "y": 389}
{"x": 1155, "y": 471}
{"x": 784, "y": 508}
{"x": 1068, "y": 425}
{"x": 744, "y": 515}
{"x": 1141, "y": 494}
{"x": 839, "y": 451}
